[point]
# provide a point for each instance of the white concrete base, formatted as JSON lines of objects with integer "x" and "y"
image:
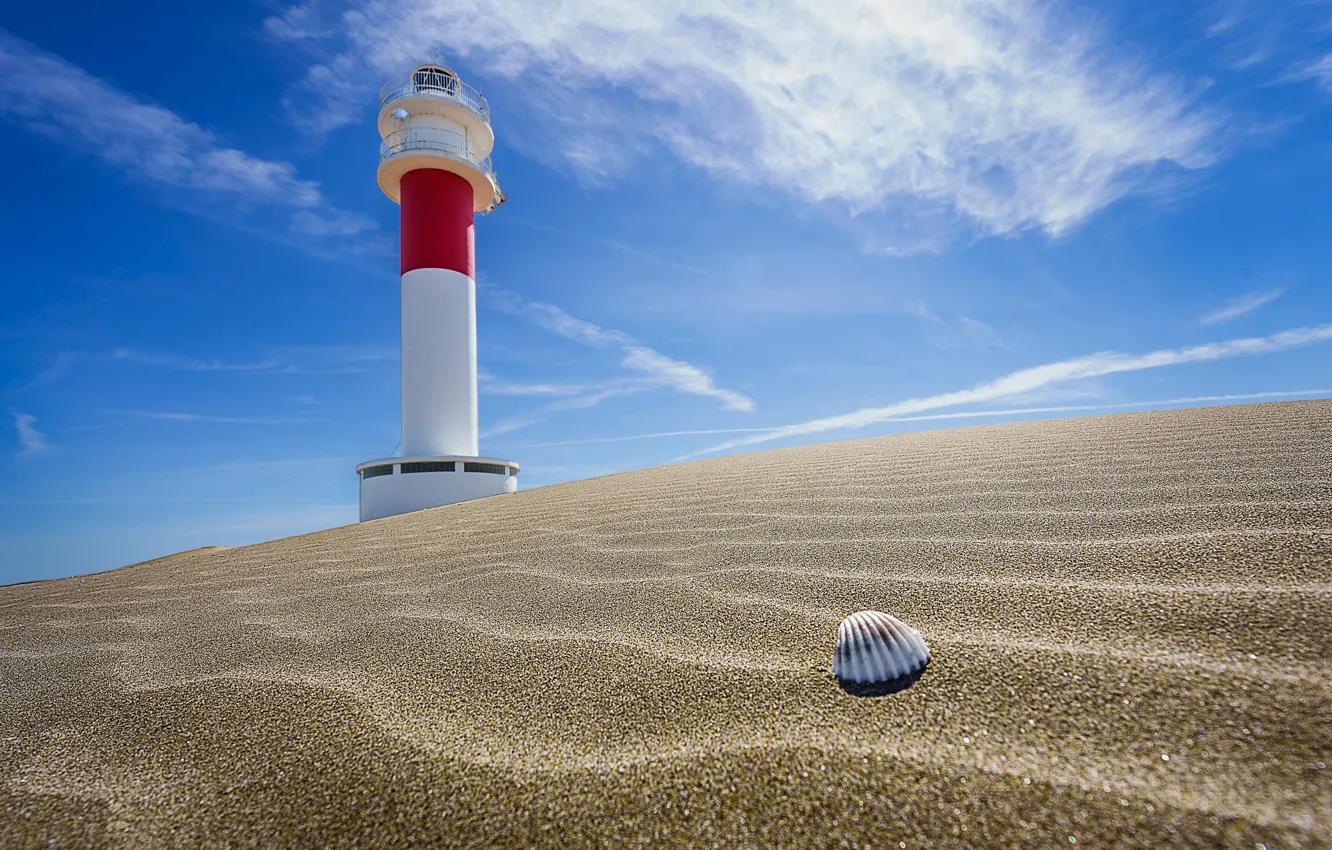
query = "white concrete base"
{"x": 404, "y": 490}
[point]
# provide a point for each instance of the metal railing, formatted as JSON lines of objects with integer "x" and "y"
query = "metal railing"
{"x": 450, "y": 144}
{"x": 433, "y": 83}
{"x": 432, "y": 139}
{"x": 436, "y": 141}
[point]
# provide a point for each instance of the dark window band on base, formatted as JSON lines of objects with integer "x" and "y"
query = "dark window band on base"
{"x": 428, "y": 466}
{"x": 376, "y": 471}
{"x": 493, "y": 468}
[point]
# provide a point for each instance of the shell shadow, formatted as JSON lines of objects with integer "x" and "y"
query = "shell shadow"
{"x": 882, "y": 689}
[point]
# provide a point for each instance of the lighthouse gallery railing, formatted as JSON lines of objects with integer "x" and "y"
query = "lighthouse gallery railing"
{"x": 453, "y": 145}
{"x": 433, "y": 85}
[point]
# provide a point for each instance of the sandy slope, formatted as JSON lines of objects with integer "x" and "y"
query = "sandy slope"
{"x": 1131, "y": 620}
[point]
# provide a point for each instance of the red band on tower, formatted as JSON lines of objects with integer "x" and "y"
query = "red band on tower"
{"x": 436, "y": 222}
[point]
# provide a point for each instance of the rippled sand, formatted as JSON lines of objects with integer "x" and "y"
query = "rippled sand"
{"x": 1131, "y": 621}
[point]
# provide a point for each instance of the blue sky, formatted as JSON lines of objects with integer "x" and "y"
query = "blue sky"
{"x": 731, "y": 227}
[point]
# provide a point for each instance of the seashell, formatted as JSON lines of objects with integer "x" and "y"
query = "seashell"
{"x": 878, "y": 652}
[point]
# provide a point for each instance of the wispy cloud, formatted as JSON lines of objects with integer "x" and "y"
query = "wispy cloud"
{"x": 169, "y": 416}
{"x": 1241, "y": 305}
{"x": 1319, "y": 70}
{"x": 613, "y": 245}
{"x": 494, "y": 387}
{"x": 1281, "y": 42}
{"x": 963, "y": 332}
{"x": 31, "y": 441}
{"x": 577, "y": 402}
{"x": 985, "y": 117}
{"x": 57, "y": 369}
{"x": 65, "y": 104}
{"x": 337, "y": 354}
{"x": 192, "y": 365}
{"x": 1084, "y": 391}
{"x": 1037, "y": 377}
{"x": 970, "y": 414}
{"x": 659, "y": 369}
{"x": 633, "y": 437}
{"x": 319, "y": 360}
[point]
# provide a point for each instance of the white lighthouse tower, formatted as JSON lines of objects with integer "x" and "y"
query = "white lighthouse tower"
{"x": 434, "y": 162}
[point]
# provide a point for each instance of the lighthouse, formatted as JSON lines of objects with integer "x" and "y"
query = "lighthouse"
{"x": 434, "y": 162}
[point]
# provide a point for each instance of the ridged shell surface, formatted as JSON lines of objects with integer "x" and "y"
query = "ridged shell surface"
{"x": 874, "y": 647}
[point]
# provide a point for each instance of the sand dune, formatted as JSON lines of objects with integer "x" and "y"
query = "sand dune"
{"x": 1130, "y": 618}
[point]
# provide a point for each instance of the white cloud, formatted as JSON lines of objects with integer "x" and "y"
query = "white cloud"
{"x": 1083, "y": 390}
{"x": 681, "y": 376}
{"x": 970, "y": 414}
{"x": 321, "y": 360}
{"x": 57, "y": 370}
{"x": 1274, "y": 42}
{"x": 658, "y": 369}
{"x": 578, "y": 402}
{"x": 634, "y": 437}
{"x": 62, "y": 102}
{"x": 339, "y": 354}
{"x": 192, "y": 365}
{"x": 983, "y": 116}
{"x": 31, "y": 441}
{"x": 494, "y": 387}
{"x": 1319, "y": 70}
{"x": 331, "y": 222}
{"x": 1038, "y": 377}
{"x": 1241, "y": 305}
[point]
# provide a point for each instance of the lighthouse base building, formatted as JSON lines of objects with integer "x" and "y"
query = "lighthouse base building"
{"x": 401, "y": 485}
{"x": 434, "y": 162}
